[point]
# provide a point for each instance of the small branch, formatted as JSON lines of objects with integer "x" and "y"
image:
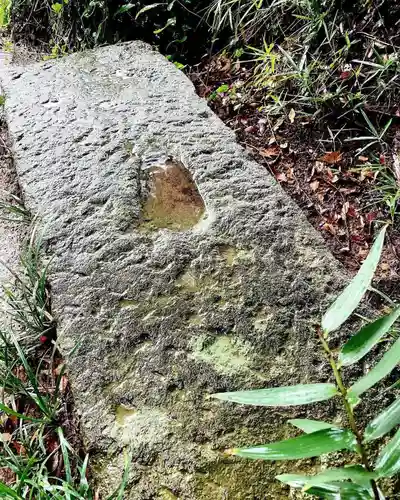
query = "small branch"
{"x": 349, "y": 410}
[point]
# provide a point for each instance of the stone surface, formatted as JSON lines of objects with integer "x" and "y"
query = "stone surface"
{"x": 12, "y": 229}
{"x": 166, "y": 314}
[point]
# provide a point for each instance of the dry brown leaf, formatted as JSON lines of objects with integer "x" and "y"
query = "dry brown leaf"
{"x": 6, "y": 437}
{"x": 314, "y": 185}
{"x": 331, "y": 157}
{"x": 270, "y": 152}
{"x": 345, "y": 209}
{"x": 292, "y": 115}
{"x": 281, "y": 177}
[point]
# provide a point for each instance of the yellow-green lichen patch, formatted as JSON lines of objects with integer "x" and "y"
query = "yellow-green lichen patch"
{"x": 229, "y": 479}
{"x": 234, "y": 256}
{"x": 189, "y": 281}
{"x": 196, "y": 320}
{"x": 225, "y": 353}
{"x": 141, "y": 427}
{"x": 166, "y": 494}
{"x": 128, "y": 303}
{"x": 263, "y": 320}
{"x": 123, "y": 413}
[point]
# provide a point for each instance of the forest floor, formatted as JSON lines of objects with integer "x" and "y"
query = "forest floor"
{"x": 342, "y": 192}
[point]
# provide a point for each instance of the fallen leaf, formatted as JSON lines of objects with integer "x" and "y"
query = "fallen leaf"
{"x": 19, "y": 448}
{"x": 292, "y": 115}
{"x": 331, "y": 157}
{"x": 328, "y": 227}
{"x": 63, "y": 384}
{"x": 363, "y": 158}
{"x": 281, "y": 177}
{"x": 357, "y": 238}
{"x": 371, "y": 216}
{"x": 270, "y": 152}
{"x": 6, "y": 437}
{"x": 314, "y": 185}
{"x": 278, "y": 123}
{"x": 319, "y": 166}
{"x": 351, "y": 212}
{"x": 345, "y": 209}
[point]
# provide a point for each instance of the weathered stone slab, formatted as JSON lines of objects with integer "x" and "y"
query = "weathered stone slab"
{"x": 179, "y": 266}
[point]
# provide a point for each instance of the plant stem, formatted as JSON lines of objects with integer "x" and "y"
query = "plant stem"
{"x": 349, "y": 410}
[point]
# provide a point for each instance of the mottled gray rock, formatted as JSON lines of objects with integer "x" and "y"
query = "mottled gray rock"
{"x": 172, "y": 291}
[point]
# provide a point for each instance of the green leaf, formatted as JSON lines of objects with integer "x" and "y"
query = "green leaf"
{"x": 124, "y": 8}
{"x": 7, "y": 492}
{"x": 351, "y": 296}
{"x": 291, "y": 395}
{"x": 305, "y": 446}
{"x": 355, "y": 473}
{"x": 143, "y": 10}
{"x": 331, "y": 490}
{"x": 389, "y": 360}
{"x": 222, "y": 88}
{"x": 309, "y": 426}
{"x": 10, "y": 411}
{"x": 388, "y": 461}
{"x": 171, "y": 22}
{"x": 340, "y": 491}
{"x": 383, "y": 423}
{"x": 57, "y": 7}
{"x": 366, "y": 338}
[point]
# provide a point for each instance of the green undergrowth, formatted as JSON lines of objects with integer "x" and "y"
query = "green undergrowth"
{"x": 328, "y": 68}
{"x": 325, "y": 70}
{"x": 41, "y": 450}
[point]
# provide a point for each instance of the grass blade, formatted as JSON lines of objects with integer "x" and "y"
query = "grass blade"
{"x": 7, "y": 492}
{"x": 309, "y": 426}
{"x": 65, "y": 449}
{"x": 388, "y": 461}
{"x": 383, "y": 423}
{"x": 281, "y": 396}
{"x": 349, "y": 299}
{"x": 9, "y": 411}
{"x": 305, "y": 446}
{"x": 389, "y": 360}
{"x": 366, "y": 338}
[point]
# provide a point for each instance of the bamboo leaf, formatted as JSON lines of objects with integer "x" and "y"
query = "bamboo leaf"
{"x": 383, "y": 423}
{"x": 356, "y": 473}
{"x": 388, "y": 361}
{"x": 141, "y": 11}
{"x": 351, "y": 296}
{"x": 340, "y": 491}
{"x": 310, "y": 426}
{"x": 388, "y": 461}
{"x": 330, "y": 490}
{"x": 281, "y": 396}
{"x": 305, "y": 446}
{"x": 366, "y": 338}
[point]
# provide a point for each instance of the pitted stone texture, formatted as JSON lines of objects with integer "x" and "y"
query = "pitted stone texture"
{"x": 166, "y": 318}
